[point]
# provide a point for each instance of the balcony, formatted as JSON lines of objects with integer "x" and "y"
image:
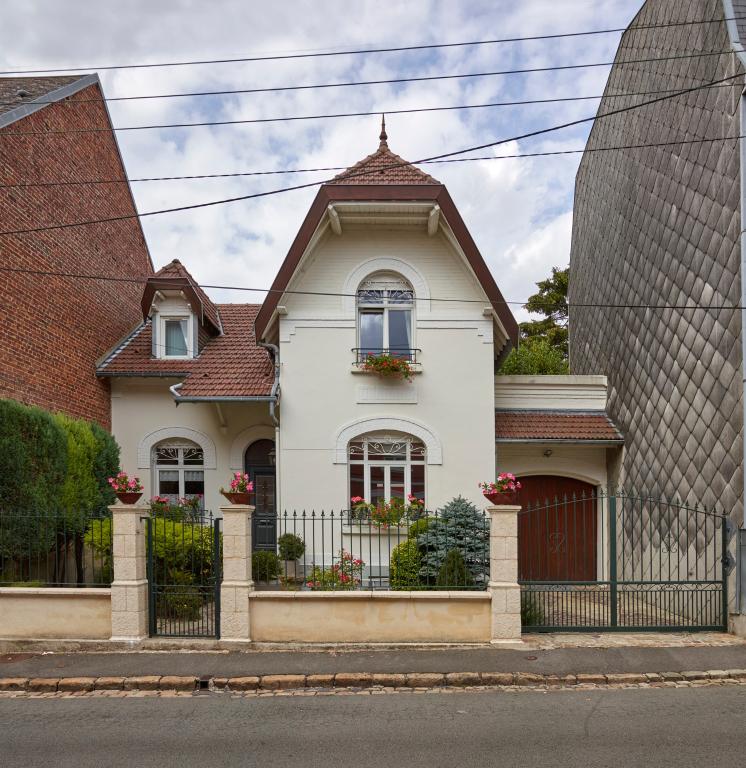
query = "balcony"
{"x": 401, "y": 353}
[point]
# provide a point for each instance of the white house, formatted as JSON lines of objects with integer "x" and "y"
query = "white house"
{"x": 382, "y": 261}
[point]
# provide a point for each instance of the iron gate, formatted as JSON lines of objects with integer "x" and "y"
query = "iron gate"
{"x": 184, "y": 567}
{"x": 622, "y": 562}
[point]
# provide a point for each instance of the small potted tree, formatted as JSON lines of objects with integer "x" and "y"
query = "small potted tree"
{"x": 291, "y": 549}
{"x": 502, "y": 490}
{"x": 127, "y": 489}
{"x": 240, "y": 489}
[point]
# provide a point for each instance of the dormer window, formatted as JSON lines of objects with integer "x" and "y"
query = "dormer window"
{"x": 176, "y": 331}
{"x": 175, "y": 334}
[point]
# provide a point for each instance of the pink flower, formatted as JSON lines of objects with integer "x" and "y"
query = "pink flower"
{"x": 356, "y": 499}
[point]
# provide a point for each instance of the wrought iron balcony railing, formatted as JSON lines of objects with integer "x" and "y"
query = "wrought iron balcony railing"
{"x": 403, "y": 353}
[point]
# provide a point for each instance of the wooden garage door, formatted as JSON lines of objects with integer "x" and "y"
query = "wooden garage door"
{"x": 557, "y": 526}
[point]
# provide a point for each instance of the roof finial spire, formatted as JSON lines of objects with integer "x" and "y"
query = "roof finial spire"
{"x": 384, "y": 136}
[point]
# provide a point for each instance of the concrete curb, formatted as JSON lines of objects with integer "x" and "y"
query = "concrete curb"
{"x": 359, "y": 680}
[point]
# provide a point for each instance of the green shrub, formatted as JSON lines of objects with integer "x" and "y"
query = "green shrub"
{"x": 406, "y": 561}
{"x": 265, "y": 565}
{"x": 105, "y": 465}
{"x": 453, "y": 572}
{"x": 534, "y": 357}
{"x": 346, "y": 574}
{"x": 182, "y": 547}
{"x": 418, "y": 527}
{"x": 80, "y": 493}
{"x": 291, "y": 547}
{"x": 531, "y": 611}
{"x": 98, "y": 540}
{"x": 461, "y": 526}
{"x": 181, "y": 600}
{"x": 33, "y": 460}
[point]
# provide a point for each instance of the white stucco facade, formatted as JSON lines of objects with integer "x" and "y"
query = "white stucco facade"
{"x": 143, "y": 413}
{"x": 328, "y": 401}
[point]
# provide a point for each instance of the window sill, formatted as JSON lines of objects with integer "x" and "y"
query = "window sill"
{"x": 395, "y": 532}
{"x": 356, "y": 368}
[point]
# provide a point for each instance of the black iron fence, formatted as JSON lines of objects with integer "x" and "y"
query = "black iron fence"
{"x": 402, "y": 353}
{"x": 55, "y": 550}
{"x": 350, "y": 550}
{"x": 184, "y": 566}
{"x": 622, "y": 561}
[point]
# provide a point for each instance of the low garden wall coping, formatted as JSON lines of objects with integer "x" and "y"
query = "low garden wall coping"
{"x": 370, "y": 595}
{"x": 48, "y": 591}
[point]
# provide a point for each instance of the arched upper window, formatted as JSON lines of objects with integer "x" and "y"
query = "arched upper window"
{"x": 386, "y": 466}
{"x": 178, "y": 469}
{"x": 385, "y": 303}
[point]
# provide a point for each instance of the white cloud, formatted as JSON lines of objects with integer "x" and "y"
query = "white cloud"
{"x": 518, "y": 210}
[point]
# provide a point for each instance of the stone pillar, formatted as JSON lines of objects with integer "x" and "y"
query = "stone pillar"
{"x": 503, "y": 584}
{"x": 235, "y": 626}
{"x": 129, "y": 590}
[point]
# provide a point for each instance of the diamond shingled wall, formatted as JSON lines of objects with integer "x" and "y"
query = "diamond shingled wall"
{"x": 661, "y": 226}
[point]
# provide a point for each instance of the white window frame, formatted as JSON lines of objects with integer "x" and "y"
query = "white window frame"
{"x": 162, "y": 336}
{"x": 386, "y": 284}
{"x": 179, "y": 467}
{"x": 368, "y": 462}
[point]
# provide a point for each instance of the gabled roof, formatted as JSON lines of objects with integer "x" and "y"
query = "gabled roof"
{"x": 383, "y": 167}
{"x": 175, "y": 277}
{"x": 555, "y": 426}
{"x": 230, "y": 366}
{"x": 371, "y": 183}
{"x": 22, "y": 96}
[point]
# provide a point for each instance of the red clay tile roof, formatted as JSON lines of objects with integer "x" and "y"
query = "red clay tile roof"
{"x": 231, "y": 365}
{"x": 555, "y": 425}
{"x": 383, "y": 167}
{"x": 177, "y": 272}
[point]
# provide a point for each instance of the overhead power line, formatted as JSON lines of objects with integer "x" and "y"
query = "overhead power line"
{"x": 573, "y": 305}
{"x": 359, "y": 51}
{"x": 555, "y": 153}
{"x": 337, "y": 115}
{"x": 356, "y": 83}
{"x": 442, "y": 156}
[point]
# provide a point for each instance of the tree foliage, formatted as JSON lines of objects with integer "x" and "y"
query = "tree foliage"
{"x": 534, "y": 358}
{"x": 543, "y": 347}
{"x": 105, "y": 465}
{"x": 453, "y": 572}
{"x": 460, "y": 526}
{"x": 80, "y": 493}
{"x": 33, "y": 460}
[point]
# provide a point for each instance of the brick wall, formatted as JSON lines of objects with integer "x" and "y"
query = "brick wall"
{"x": 661, "y": 226}
{"x": 53, "y": 329}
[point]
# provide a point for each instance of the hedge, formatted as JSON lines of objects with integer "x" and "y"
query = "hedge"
{"x": 53, "y": 471}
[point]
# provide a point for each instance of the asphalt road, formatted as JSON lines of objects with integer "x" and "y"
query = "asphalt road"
{"x": 664, "y": 727}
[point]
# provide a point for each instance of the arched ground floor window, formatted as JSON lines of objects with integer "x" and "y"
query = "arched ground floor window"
{"x": 386, "y": 466}
{"x": 178, "y": 469}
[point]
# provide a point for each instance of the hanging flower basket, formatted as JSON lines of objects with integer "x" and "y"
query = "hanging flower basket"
{"x": 503, "y": 491}
{"x": 240, "y": 490}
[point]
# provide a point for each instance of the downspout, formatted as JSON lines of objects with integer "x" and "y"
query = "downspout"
{"x": 274, "y": 350}
{"x": 174, "y": 390}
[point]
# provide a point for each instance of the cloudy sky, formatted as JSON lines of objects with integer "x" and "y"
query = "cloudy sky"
{"x": 519, "y": 210}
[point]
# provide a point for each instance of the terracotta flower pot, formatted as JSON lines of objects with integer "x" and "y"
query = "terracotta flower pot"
{"x": 128, "y": 497}
{"x": 507, "y": 498}
{"x": 237, "y": 498}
